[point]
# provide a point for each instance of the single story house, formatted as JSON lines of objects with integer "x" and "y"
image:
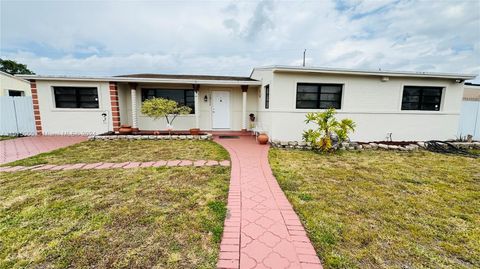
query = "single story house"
{"x": 13, "y": 86}
{"x": 384, "y": 104}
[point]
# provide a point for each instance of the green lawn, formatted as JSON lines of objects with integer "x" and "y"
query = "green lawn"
{"x": 115, "y": 218}
{"x": 129, "y": 150}
{"x": 380, "y": 209}
{"x": 6, "y": 137}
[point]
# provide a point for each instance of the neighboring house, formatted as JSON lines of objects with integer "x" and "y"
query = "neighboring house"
{"x": 396, "y": 105}
{"x": 470, "y": 112}
{"x": 471, "y": 92}
{"x": 13, "y": 86}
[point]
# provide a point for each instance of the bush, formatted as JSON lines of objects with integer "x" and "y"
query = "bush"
{"x": 329, "y": 132}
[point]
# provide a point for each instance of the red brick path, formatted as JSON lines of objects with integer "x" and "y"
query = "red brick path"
{"x": 20, "y": 148}
{"x": 125, "y": 165}
{"x": 261, "y": 229}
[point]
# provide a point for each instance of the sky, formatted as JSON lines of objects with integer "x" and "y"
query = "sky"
{"x": 231, "y": 37}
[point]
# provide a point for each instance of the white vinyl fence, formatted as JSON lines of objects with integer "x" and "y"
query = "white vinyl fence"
{"x": 16, "y": 115}
{"x": 470, "y": 119}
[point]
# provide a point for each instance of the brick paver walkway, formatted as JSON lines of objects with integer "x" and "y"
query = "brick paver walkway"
{"x": 124, "y": 165}
{"x": 20, "y": 148}
{"x": 261, "y": 229}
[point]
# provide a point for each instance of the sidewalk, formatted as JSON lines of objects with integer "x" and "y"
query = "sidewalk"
{"x": 23, "y": 147}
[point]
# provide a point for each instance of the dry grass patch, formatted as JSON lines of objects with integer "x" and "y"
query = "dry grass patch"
{"x": 119, "y": 218}
{"x": 129, "y": 151}
{"x": 379, "y": 209}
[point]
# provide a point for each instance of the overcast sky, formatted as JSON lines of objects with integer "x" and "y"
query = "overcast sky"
{"x": 232, "y": 37}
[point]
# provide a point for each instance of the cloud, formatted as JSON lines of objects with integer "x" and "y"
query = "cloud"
{"x": 260, "y": 21}
{"x": 119, "y": 37}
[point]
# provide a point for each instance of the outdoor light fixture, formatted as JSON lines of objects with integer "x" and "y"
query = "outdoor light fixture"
{"x": 205, "y": 98}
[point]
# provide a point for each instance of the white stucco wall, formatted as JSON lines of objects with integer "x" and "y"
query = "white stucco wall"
{"x": 374, "y": 105}
{"x": 185, "y": 122}
{"x": 9, "y": 82}
{"x": 73, "y": 120}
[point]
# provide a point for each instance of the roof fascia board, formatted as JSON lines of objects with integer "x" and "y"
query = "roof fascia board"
{"x": 144, "y": 80}
{"x": 372, "y": 73}
{"x": 14, "y": 77}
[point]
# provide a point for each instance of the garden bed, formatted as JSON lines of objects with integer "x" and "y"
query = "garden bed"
{"x": 153, "y": 135}
{"x": 383, "y": 145}
{"x": 146, "y": 132}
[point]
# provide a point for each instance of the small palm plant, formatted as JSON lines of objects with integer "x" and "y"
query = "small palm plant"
{"x": 160, "y": 107}
{"x": 329, "y": 128}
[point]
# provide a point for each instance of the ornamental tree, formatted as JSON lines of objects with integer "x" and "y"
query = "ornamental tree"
{"x": 328, "y": 129}
{"x": 160, "y": 107}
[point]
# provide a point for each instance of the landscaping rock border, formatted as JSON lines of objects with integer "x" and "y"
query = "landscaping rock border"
{"x": 366, "y": 145}
{"x": 152, "y": 137}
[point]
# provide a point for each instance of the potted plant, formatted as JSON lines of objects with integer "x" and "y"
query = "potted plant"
{"x": 125, "y": 129}
{"x": 195, "y": 131}
{"x": 262, "y": 138}
{"x": 160, "y": 107}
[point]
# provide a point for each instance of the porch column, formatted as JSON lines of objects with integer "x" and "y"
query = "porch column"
{"x": 133, "y": 95}
{"x": 196, "y": 88}
{"x": 244, "y": 107}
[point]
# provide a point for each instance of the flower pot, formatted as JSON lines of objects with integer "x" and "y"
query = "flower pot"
{"x": 125, "y": 129}
{"x": 262, "y": 139}
{"x": 195, "y": 131}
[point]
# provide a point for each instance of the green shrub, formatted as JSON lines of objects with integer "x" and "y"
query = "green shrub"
{"x": 329, "y": 128}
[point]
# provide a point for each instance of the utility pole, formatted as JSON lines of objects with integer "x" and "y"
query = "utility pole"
{"x": 304, "y": 51}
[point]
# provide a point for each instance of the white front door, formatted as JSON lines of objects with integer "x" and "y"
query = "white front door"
{"x": 220, "y": 110}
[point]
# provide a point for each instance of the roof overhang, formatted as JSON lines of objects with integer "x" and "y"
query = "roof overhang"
{"x": 14, "y": 77}
{"x": 144, "y": 80}
{"x": 358, "y": 72}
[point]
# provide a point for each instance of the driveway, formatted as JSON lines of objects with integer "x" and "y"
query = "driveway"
{"x": 20, "y": 148}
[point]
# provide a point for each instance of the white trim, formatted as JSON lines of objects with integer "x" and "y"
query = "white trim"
{"x": 197, "y": 108}
{"x": 244, "y": 109}
{"x": 76, "y": 109}
{"x": 442, "y": 97}
{"x": 133, "y": 101}
{"x": 14, "y": 77}
{"x": 344, "y": 71}
{"x": 305, "y": 110}
{"x": 145, "y": 80}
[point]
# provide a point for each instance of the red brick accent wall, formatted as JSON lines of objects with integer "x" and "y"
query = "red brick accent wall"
{"x": 36, "y": 107}
{"x": 114, "y": 104}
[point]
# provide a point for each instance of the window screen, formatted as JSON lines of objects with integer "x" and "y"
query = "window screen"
{"x": 319, "y": 96}
{"x": 421, "y": 98}
{"x": 76, "y": 97}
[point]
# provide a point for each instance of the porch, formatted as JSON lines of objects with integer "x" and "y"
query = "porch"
{"x": 218, "y": 103}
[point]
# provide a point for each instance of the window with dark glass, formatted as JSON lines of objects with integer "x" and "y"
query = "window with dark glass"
{"x": 76, "y": 97}
{"x": 15, "y": 93}
{"x": 182, "y": 97}
{"x": 267, "y": 96}
{"x": 421, "y": 98}
{"x": 319, "y": 96}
